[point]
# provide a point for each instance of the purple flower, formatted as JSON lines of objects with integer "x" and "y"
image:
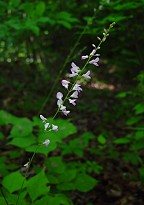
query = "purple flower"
{"x": 46, "y": 142}
{"x": 62, "y": 107}
{"x": 74, "y": 95}
{"x": 94, "y": 62}
{"x": 66, "y": 112}
{"x": 65, "y": 83}
{"x": 75, "y": 70}
{"x": 77, "y": 87}
{"x": 87, "y": 75}
{"x": 84, "y": 57}
{"x": 59, "y": 95}
{"x": 54, "y": 127}
{"x": 72, "y": 101}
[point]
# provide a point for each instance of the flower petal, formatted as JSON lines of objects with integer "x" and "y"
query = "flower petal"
{"x": 84, "y": 57}
{"x": 55, "y": 127}
{"x": 87, "y": 75}
{"x": 72, "y": 75}
{"x": 65, "y": 83}
{"x": 74, "y": 95}
{"x": 62, "y": 107}
{"x": 77, "y": 87}
{"x": 59, "y": 95}
{"x": 42, "y": 118}
{"x": 72, "y": 101}
{"x": 46, "y": 142}
{"x": 46, "y": 125}
{"x": 59, "y": 102}
{"x": 66, "y": 112}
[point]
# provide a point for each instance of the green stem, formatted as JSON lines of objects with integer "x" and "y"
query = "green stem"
{"x": 4, "y": 196}
{"x": 25, "y": 176}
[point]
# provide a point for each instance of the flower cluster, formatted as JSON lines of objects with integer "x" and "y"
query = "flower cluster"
{"x": 75, "y": 88}
{"x": 48, "y": 125}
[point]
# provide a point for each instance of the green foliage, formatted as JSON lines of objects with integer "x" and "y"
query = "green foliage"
{"x": 60, "y": 175}
{"x": 13, "y": 182}
{"x": 36, "y": 186}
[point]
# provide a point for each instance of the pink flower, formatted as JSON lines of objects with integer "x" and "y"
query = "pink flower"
{"x": 65, "y": 83}
{"x": 87, "y": 75}
{"x": 55, "y": 127}
{"x": 94, "y": 62}
{"x": 62, "y": 107}
{"x": 66, "y": 112}
{"x": 77, "y": 87}
{"x": 72, "y": 101}
{"x": 75, "y": 70}
{"x": 74, "y": 95}
{"x": 84, "y": 57}
{"x": 46, "y": 142}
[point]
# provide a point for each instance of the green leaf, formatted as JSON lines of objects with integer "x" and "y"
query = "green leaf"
{"x": 40, "y": 8}
{"x": 23, "y": 141}
{"x": 1, "y": 135}
{"x": 36, "y": 186}
{"x": 139, "y": 108}
{"x": 101, "y": 139}
{"x": 3, "y": 166}
{"x": 133, "y": 158}
{"x": 133, "y": 120}
{"x": 67, "y": 176}
{"x": 141, "y": 172}
{"x": 85, "y": 183}
{"x": 15, "y": 3}
{"x": 122, "y": 140}
{"x": 58, "y": 199}
{"x": 13, "y": 182}
{"x": 55, "y": 165}
{"x": 43, "y": 201}
{"x": 66, "y": 186}
{"x": 42, "y": 149}
{"x": 122, "y": 94}
{"x": 23, "y": 128}
{"x": 64, "y": 23}
{"x": 139, "y": 135}
{"x": 6, "y": 118}
{"x": 2, "y": 201}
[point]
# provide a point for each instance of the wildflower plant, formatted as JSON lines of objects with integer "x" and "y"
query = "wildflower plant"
{"x": 73, "y": 89}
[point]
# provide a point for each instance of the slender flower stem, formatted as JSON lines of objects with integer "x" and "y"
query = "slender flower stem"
{"x": 25, "y": 176}
{"x": 4, "y": 196}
